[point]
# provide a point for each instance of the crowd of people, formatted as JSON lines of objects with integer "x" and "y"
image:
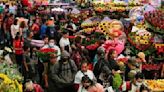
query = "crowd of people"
{"x": 71, "y": 69}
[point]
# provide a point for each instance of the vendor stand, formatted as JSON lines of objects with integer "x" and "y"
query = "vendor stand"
{"x": 155, "y": 85}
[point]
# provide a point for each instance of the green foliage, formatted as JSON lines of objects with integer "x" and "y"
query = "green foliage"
{"x": 117, "y": 81}
{"x": 11, "y": 71}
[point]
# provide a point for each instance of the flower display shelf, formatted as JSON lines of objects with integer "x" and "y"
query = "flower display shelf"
{"x": 155, "y": 21}
{"x": 111, "y": 7}
{"x": 151, "y": 67}
{"x": 155, "y": 85}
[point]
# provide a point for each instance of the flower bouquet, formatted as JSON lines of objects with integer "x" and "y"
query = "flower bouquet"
{"x": 92, "y": 46}
{"x": 44, "y": 54}
{"x": 90, "y": 43}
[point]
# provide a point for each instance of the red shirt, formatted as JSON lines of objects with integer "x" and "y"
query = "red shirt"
{"x": 18, "y": 46}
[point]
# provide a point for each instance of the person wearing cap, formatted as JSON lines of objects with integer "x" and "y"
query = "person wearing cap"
{"x": 140, "y": 59}
{"x": 63, "y": 74}
{"x": 65, "y": 43}
{"x": 50, "y": 22}
{"x": 51, "y": 29}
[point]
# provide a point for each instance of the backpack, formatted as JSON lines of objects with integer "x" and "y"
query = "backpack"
{"x": 60, "y": 66}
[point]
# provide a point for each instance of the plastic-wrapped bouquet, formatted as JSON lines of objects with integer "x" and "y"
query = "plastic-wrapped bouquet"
{"x": 44, "y": 54}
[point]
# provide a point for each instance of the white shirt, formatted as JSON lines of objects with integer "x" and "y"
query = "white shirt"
{"x": 79, "y": 75}
{"x": 64, "y": 42}
{"x": 14, "y": 30}
{"x": 56, "y": 48}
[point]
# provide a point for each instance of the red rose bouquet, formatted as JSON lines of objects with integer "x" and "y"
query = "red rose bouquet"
{"x": 92, "y": 46}
{"x": 44, "y": 54}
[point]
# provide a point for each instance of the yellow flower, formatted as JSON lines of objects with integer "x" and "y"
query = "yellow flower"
{"x": 19, "y": 86}
{"x": 12, "y": 84}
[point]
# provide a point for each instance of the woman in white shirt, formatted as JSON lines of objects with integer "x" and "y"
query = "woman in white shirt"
{"x": 65, "y": 43}
{"x": 14, "y": 28}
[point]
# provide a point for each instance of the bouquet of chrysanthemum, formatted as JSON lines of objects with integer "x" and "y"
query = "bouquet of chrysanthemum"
{"x": 44, "y": 54}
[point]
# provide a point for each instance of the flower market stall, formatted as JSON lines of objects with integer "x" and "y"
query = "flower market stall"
{"x": 10, "y": 78}
{"x": 155, "y": 85}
